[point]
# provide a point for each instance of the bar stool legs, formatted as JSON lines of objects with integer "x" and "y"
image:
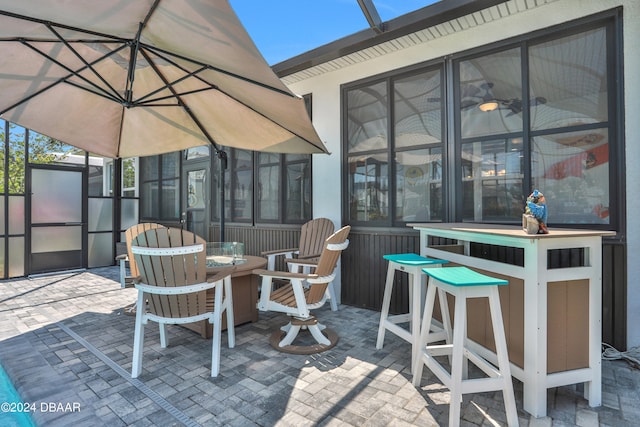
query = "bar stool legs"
{"x": 410, "y": 264}
{"x": 469, "y": 286}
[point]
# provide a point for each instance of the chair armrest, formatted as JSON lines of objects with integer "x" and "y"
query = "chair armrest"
{"x": 279, "y": 252}
{"x": 224, "y": 272}
{"x": 321, "y": 279}
{"x": 271, "y": 256}
{"x": 122, "y": 257}
{"x": 309, "y": 257}
{"x": 310, "y": 262}
{"x": 283, "y": 274}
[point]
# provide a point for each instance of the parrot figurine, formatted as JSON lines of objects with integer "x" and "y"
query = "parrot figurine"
{"x": 537, "y": 207}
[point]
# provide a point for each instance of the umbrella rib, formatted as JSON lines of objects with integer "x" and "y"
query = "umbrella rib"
{"x": 76, "y": 72}
{"x": 188, "y": 74}
{"x": 85, "y": 62}
{"x": 185, "y": 107}
{"x": 141, "y": 100}
{"x": 152, "y": 102}
{"x": 60, "y": 80}
{"x": 101, "y": 93}
{"x": 131, "y": 72}
{"x": 66, "y": 27}
{"x": 158, "y": 52}
{"x": 135, "y": 48}
{"x": 112, "y": 37}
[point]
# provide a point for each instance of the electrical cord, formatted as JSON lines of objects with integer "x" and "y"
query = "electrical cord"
{"x": 632, "y": 355}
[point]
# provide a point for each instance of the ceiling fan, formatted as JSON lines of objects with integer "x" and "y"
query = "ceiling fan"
{"x": 482, "y": 98}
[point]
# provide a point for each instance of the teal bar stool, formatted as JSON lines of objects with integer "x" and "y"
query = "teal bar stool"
{"x": 463, "y": 283}
{"x": 412, "y": 265}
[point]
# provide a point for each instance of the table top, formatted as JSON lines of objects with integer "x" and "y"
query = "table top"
{"x": 508, "y": 230}
{"x": 243, "y": 269}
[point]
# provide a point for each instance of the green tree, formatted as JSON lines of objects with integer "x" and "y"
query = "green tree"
{"x": 128, "y": 173}
{"x": 42, "y": 150}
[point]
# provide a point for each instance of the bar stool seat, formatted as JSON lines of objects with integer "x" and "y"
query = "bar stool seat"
{"x": 464, "y": 283}
{"x": 411, "y": 264}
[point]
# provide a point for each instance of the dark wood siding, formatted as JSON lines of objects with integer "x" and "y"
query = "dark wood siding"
{"x": 614, "y": 294}
{"x": 364, "y": 270}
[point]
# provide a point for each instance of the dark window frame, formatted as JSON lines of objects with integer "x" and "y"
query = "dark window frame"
{"x": 160, "y": 179}
{"x": 389, "y": 78}
{"x": 283, "y": 161}
{"x": 611, "y": 20}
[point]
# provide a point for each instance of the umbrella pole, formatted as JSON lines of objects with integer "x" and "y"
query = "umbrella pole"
{"x": 222, "y": 155}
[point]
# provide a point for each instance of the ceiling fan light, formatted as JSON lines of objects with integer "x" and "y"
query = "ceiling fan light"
{"x": 488, "y": 106}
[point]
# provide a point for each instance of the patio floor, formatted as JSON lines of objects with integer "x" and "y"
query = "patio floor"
{"x": 67, "y": 347}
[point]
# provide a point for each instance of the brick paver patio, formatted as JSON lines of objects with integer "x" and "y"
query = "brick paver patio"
{"x": 67, "y": 347}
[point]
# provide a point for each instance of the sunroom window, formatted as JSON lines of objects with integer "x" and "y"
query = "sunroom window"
{"x": 536, "y": 113}
{"x": 563, "y": 122}
{"x": 394, "y": 150}
{"x": 570, "y": 133}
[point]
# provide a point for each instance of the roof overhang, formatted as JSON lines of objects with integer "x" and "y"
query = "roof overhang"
{"x": 435, "y": 14}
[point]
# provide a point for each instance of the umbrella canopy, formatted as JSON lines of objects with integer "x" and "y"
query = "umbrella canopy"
{"x": 124, "y": 78}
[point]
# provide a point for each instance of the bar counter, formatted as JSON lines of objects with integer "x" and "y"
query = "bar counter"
{"x": 552, "y": 312}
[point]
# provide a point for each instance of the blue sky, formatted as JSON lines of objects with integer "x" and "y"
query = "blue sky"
{"x": 285, "y": 28}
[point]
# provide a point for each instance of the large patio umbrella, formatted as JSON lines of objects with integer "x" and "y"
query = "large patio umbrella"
{"x": 124, "y": 78}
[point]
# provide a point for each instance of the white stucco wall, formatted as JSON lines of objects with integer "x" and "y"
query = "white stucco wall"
{"x": 632, "y": 136}
{"x": 326, "y": 108}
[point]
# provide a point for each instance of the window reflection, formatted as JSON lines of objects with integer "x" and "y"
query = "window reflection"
{"x": 170, "y": 207}
{"x": 160, "y": 186}
{"x": 297, "y": 187}
{"x": 571, "y": 74}
{"x": 490, "y": 94}
{"x": 419, "y": 185}
{"x": 268, "y": 186}
{"x": 282, "y": 187}
{"x": 197, "y": 196}
{"x": 417, "y": 110}
{"x": 413, "y": 154}
{"x": 566, "y": 92}
{"x": 368, "y": 188}
{"x": 238, "y": 186}
{"x": 573, "y": 170}
{"x": 492, "y": 180}
{"x": 197, "y": 152}
{"x": 367, "y": 118}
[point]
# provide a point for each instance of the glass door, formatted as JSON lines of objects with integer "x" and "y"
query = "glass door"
{"x": 57, "y": 219}
{"x": 196, "y": 198}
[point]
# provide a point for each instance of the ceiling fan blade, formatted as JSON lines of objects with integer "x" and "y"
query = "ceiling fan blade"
{"x": 470, "y": 91}
{"x": 468, "y": 103}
